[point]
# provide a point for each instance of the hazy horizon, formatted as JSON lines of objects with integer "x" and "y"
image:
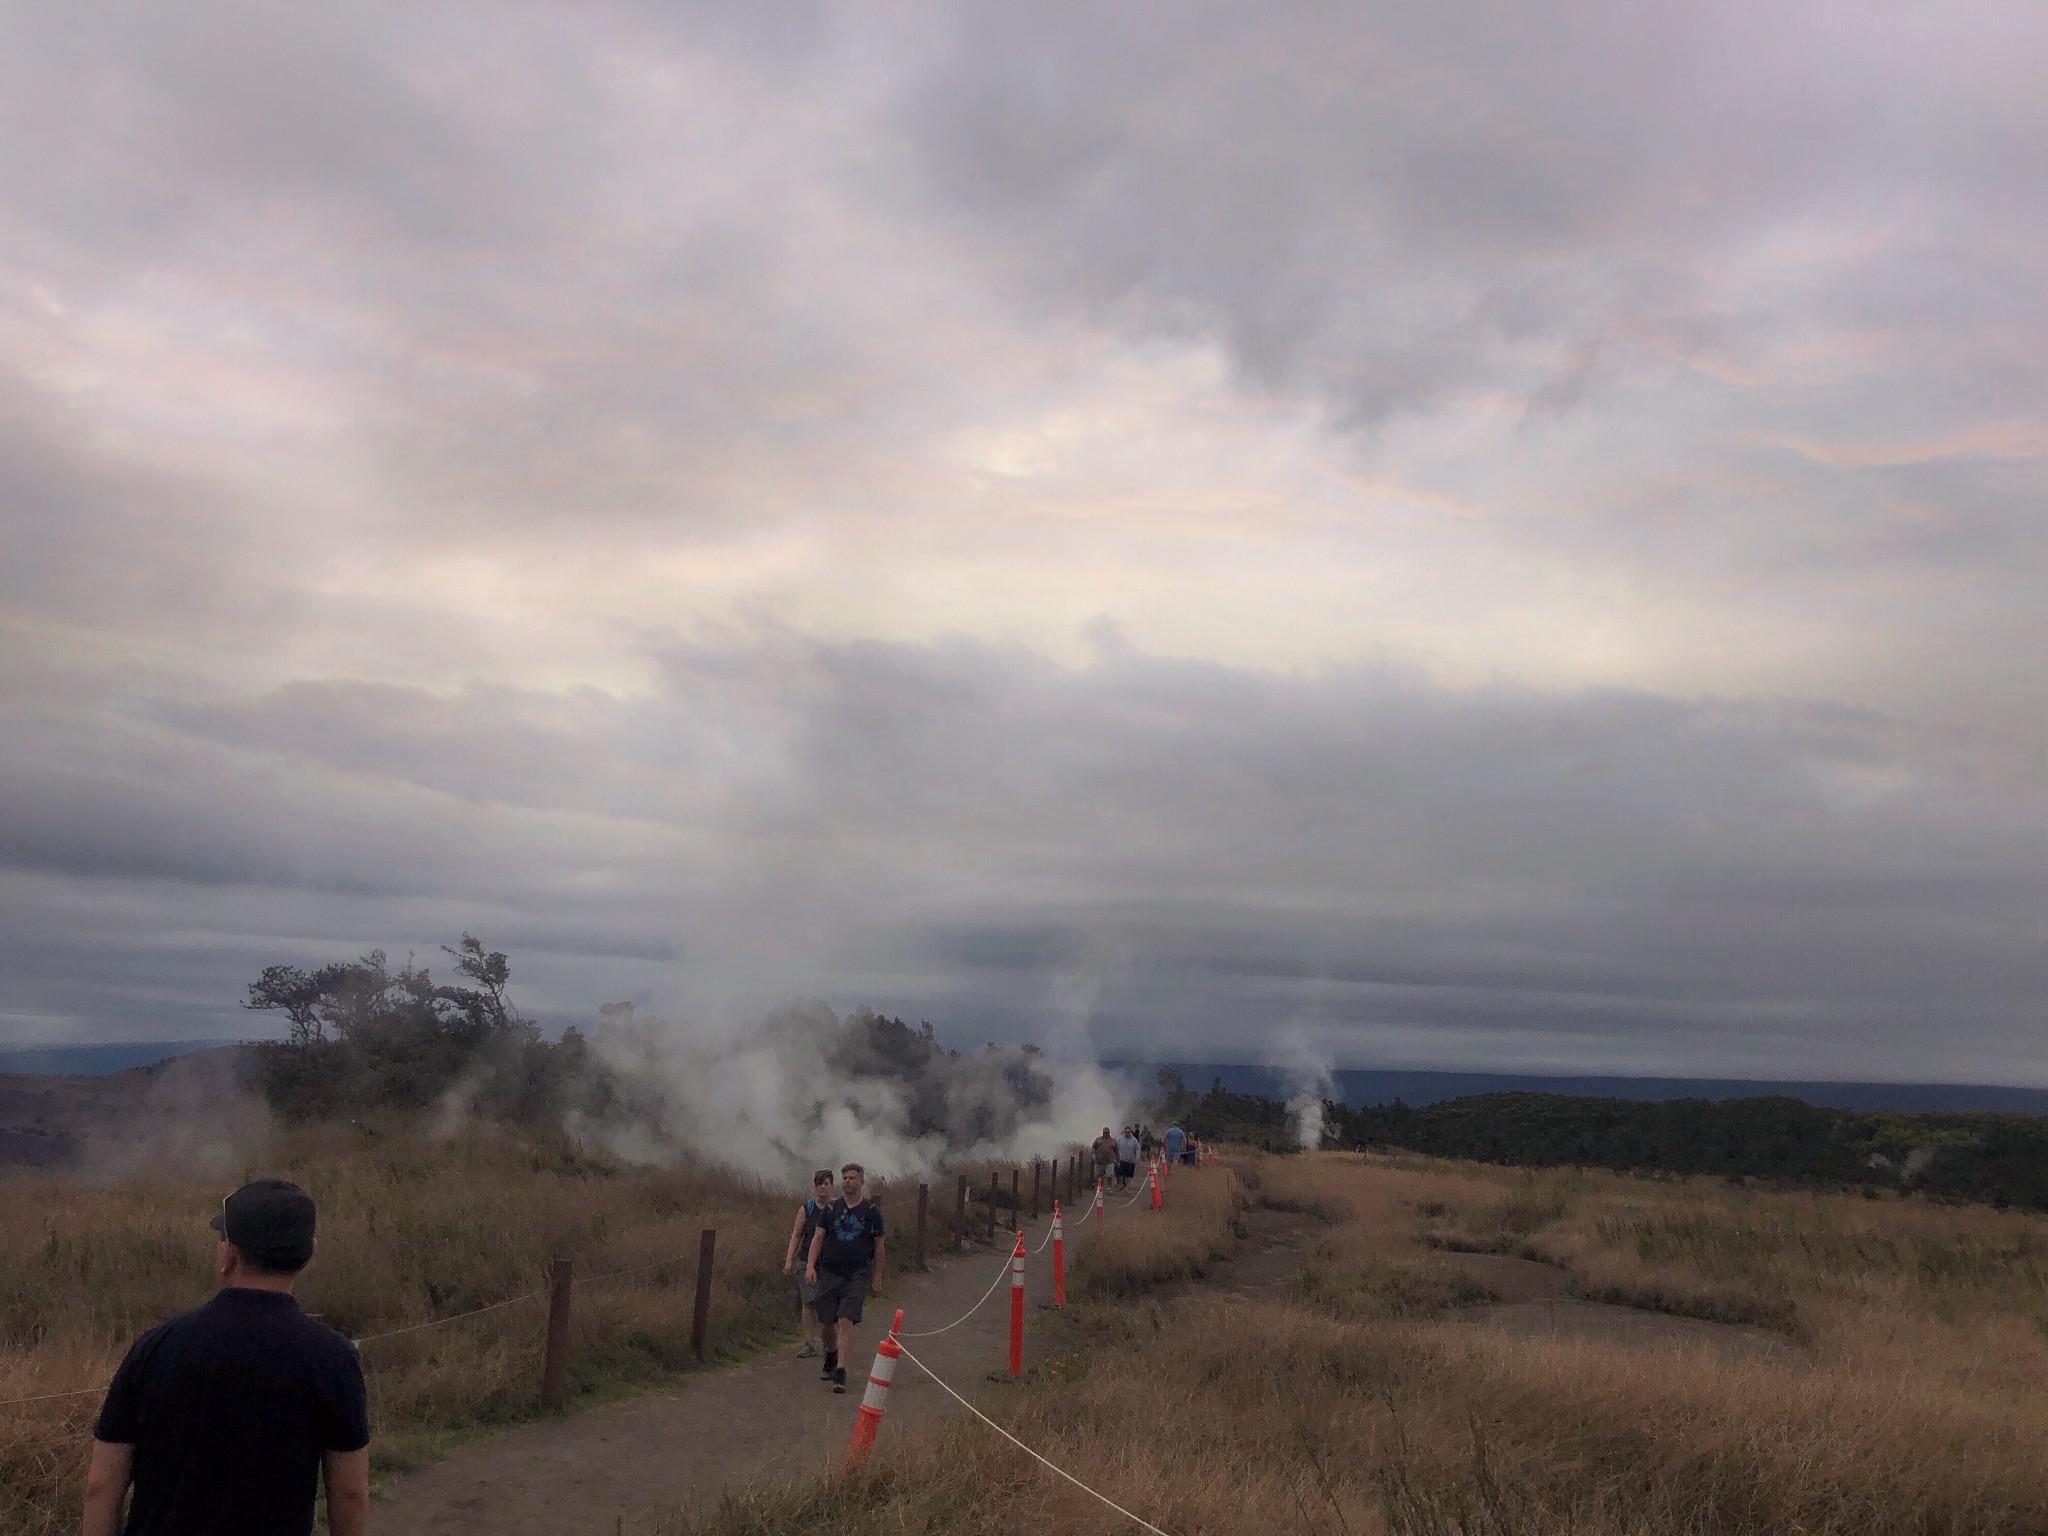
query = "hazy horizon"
{"x": 1481, "y": 540}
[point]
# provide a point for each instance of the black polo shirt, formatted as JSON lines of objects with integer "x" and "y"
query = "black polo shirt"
{"x": 229, "y": 1408}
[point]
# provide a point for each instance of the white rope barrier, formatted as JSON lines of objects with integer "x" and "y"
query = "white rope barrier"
{"x": 47, "y": 1397}
{"x": 1001, "y": 1275}
{"x": 453, "y": 1317}
{"x": 1049, "y": 1466}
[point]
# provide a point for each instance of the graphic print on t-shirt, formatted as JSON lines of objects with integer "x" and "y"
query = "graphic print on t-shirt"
{"x": 850, "y": 1234}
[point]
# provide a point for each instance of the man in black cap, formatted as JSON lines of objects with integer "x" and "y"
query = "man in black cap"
{"x": 224, "y": 1417}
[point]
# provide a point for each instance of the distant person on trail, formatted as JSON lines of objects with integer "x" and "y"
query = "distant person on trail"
{"x": 1145, "y": 1141}
{"x": 1176, "y": 1142}
{"x": 224, "y": 1419}
{"x": 1105, "y": 1155}
{"x": 1126, "y": 1158}
{"x": 807, "y": 1218}
{"x": 846, "y": 1267}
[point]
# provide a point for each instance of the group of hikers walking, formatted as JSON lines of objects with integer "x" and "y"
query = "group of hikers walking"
{"x": 1117, "y": 1157}
{"x": 840, "y": 1244}
{"x": 836, "y": 1242}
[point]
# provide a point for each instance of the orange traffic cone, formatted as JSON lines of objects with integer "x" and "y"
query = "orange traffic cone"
{"x": 874, "y": 1401}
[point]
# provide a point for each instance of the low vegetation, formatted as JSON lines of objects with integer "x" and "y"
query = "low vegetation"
{"x": 1890, "y": 1374}
{"x": 1996, "y": 1158}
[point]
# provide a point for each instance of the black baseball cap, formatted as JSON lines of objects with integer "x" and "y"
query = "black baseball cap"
{"x": 266, "y": 1216}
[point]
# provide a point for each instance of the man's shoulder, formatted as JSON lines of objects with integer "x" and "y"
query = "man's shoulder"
{"x": 319, "y": 1340}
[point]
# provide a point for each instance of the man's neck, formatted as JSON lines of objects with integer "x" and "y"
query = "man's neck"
{"x": 242, "y": 1280}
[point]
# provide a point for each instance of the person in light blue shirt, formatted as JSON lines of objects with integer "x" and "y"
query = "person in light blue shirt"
{"x": 1176, "y": 1138}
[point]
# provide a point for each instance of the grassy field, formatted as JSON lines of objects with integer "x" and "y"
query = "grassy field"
{"x": 1364, "y": 1392}
{"x": 409, "y": 1231}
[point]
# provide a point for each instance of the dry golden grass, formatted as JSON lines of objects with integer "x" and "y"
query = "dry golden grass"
{"x": 1362, "y": 1397}
{"x": 1132, "y": 1250}
{"x": 410, "y": 1231}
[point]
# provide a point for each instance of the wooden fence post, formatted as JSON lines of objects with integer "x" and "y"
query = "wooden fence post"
{"x": 554, "y": 1370}
{"x": 960, "y": 1217}
{"x": 1073, "y": 1177}
{"x": 1034, "y": 1189}
{"x": 1013, "y": 1197}
{"x": 924, "y": 1200}
{"x": 701, "y": 1318}
{"x": 993, "y": 1176}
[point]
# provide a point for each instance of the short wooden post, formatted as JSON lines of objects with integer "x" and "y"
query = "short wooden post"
{"x": 554, "y": 1370}
{"x": 700, "y": 1320}
{"x": 924, "y": 1200}
{"x": 1034, "y": 1189}
{"x": 1073, "y": 1177}
{"x": 992, "y": 1205}
{"x": 1013, "y": 1197}
{"x": 960, "y": 1217}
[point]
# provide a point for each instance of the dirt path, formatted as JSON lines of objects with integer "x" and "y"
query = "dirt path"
{"x": 619, "y": 1469}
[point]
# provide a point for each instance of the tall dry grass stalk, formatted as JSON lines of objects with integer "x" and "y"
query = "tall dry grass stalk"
{"x": 410, "y": 1231}
{"x": 1368, "y": 1395}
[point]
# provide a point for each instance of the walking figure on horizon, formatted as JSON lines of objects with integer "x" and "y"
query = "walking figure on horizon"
{"x": 1104, "y": 1150}
{"x": 224, "y": 1419}
{"x": 1126, "y": 1158}
{"x": 845, "y": 1267}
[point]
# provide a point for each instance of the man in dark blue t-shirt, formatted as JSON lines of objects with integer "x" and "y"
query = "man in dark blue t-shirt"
{"x": 224, "y": 1418}
{"x": 845, "y": 1266}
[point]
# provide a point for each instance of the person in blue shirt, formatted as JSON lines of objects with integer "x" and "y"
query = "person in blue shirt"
{"x": 1176, "y": 1139}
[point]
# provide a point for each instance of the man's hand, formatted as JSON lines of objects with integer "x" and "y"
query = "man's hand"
{"x": 811, "y": 1274}
{"x": 788, "y": 1266}
{"x": 875, "y": 1286}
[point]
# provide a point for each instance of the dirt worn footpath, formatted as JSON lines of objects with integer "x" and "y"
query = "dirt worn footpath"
{"x": 619, "y": 1469}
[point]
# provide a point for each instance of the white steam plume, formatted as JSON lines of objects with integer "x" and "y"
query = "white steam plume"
{"x": 804, "y": 1090}
{"x": 1305, "y": 1073}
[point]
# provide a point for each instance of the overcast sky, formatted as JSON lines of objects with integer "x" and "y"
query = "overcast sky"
{"x": 1498, "y": 536}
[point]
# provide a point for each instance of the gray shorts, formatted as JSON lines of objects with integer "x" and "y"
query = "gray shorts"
{"x": 840, "y": 1294}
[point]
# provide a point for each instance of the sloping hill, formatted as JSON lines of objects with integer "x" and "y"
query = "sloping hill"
{"x": 106, "y": 1123}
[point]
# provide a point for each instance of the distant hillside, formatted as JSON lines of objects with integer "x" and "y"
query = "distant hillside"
{"x": 107, "y": 1122}
{"x": 1366, "y": 1086}
{"x": 98, "y": 1060}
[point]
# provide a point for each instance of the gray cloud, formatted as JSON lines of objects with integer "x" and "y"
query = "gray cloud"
{"x": 627, "y": 478}
{"x": 955, "y": 828}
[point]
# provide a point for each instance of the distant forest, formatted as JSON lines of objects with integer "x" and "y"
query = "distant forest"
{"x": 1997, "y": 1158}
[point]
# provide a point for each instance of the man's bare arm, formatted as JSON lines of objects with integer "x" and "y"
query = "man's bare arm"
{"x": 796, "y": 1229}
{"x": 106, "y": 1480}
{"x": 811, "y": 1262}
{"x": 348, "y": 1491}
{"x": 875, "y": 1280}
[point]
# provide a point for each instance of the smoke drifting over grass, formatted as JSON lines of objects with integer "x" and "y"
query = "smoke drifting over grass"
{"x": 806, "y": 1089}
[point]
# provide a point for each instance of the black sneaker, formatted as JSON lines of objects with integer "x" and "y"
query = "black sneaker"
{"x": 831, "y": 1365}
{"x": 839, "y": 1379}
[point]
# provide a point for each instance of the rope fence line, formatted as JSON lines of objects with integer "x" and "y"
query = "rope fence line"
{"x": 453, "y": 1317}
{"x": 48, "y": 1397}
{"x": 932, "y": 1333}
{"x": 1050, "y": 1466}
